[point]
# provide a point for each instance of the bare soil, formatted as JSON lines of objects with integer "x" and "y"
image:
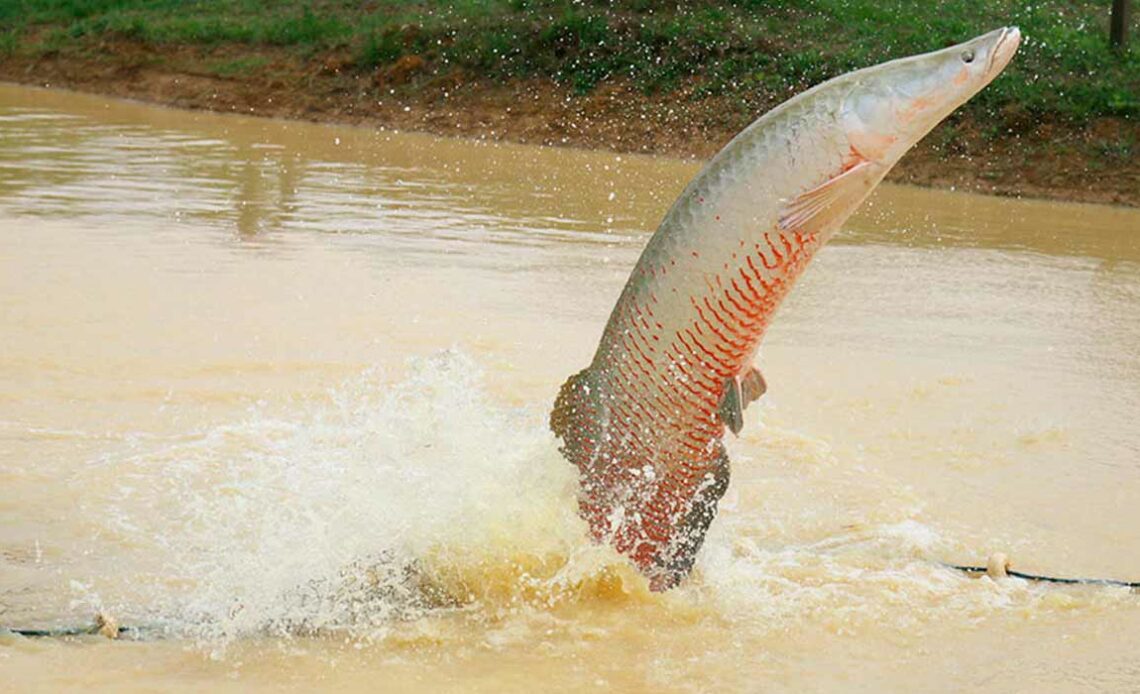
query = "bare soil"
{"x": 1096, "y": 162}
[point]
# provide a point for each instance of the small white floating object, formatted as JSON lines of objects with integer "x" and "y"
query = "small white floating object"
{"x": 998, "y": 565}
{"x": 107, "y": 625}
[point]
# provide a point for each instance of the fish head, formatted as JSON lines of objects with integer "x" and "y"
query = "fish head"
{"x": 890, "y": 107}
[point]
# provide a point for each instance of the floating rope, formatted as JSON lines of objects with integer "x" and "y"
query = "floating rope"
{"x": 997, "y": 567}
{"x": 104, "y": 625}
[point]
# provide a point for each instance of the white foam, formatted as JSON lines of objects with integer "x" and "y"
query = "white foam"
{"x": 275, "y": 524}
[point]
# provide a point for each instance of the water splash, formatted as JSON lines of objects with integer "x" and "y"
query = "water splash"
{"x": 389, "y": 501}
{"x": 328, "y": 519}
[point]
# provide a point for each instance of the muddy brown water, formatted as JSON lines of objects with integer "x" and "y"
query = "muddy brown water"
{"x": 276, "y": 392}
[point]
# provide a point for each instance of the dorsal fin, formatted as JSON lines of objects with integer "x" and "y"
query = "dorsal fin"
{"x": 566, "y": 405}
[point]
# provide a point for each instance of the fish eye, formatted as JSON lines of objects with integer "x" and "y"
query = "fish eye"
{"x": 968, "y": 56}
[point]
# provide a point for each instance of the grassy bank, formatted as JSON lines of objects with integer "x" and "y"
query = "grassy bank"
{"x": 724, "y": 62}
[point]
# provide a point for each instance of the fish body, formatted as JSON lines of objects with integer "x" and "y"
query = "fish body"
{"x": 645, "y": 422}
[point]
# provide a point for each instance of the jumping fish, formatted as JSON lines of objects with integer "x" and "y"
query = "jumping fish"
{"x": 644, "y": 422}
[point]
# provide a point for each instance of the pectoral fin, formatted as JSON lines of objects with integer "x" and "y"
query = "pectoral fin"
{"x": 821, "y": 209}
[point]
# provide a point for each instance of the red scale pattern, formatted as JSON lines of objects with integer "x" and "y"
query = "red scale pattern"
{"x": 667, "y": 390}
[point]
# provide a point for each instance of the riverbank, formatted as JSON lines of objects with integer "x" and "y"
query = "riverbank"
{"x": 1051, "y": 127}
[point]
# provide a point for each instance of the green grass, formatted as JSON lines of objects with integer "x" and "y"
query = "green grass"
{"x": 237, "y": 66}
{"x": 1120, "y": 151}
{"x": 9, "y": 42}
{"x": 1064, "y": 70}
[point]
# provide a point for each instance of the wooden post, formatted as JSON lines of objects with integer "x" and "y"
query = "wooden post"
{"x": 1118, "y": 31}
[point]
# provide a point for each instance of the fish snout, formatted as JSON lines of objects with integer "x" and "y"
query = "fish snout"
{"x": 1003, "y": 51}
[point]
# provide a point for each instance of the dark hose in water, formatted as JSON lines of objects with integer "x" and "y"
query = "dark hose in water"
{"x": 1049, "y": 579}
{"x": 997, "y": 567}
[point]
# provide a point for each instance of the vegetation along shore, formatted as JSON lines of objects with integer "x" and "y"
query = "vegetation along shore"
{"x": 677, "y": 78}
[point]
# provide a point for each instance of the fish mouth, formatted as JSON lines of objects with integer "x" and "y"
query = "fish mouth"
{"x": 1003, "y": 51}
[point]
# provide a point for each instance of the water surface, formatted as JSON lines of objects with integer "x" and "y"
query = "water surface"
{"x": 280, "y": 390}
